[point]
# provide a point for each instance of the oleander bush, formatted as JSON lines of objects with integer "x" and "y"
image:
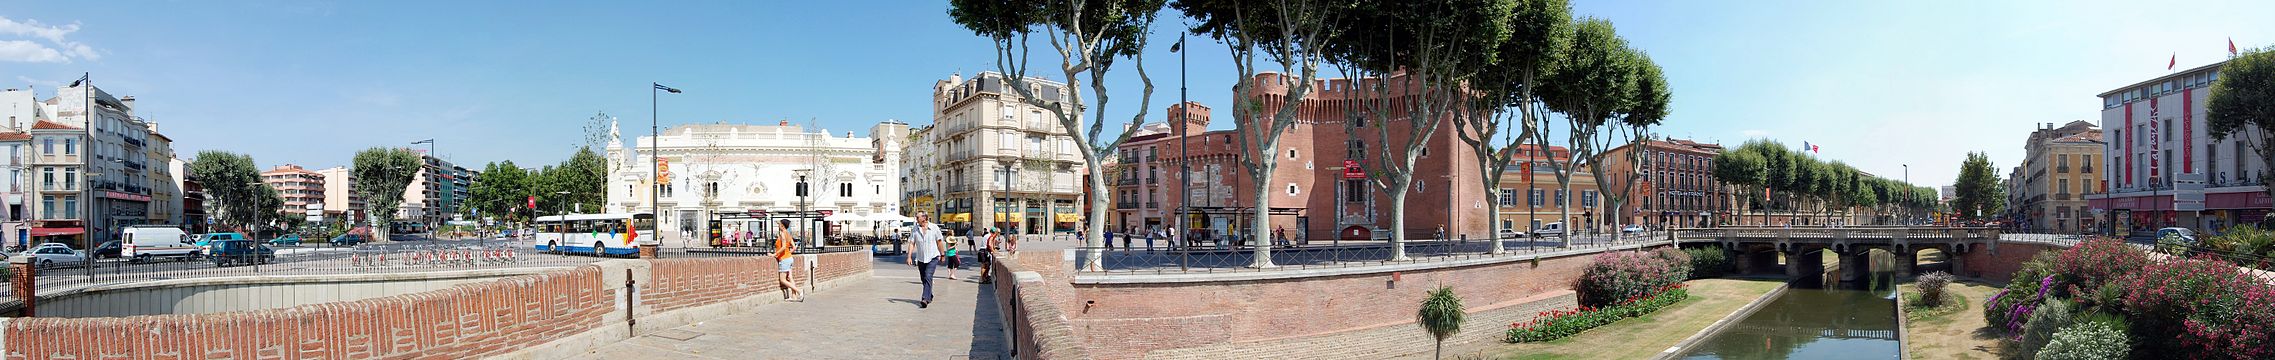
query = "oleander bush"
{"x": 2201, "y": 308}
{"x": 2086, "y": 341}
{"x": 1678, "y": 263}
{"x": 1708, "y": 262}
{"x": 1620, "y": 275}
{"x": 2085, "y": 267}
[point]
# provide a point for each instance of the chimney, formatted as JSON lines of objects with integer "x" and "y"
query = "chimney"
{"x": 127, "y": 101}
{"x": 785, "y": 122}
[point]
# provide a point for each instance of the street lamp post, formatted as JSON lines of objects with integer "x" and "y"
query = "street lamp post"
{"x": 655, "y": 166}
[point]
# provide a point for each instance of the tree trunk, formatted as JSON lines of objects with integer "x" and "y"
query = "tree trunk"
{"x": 1441, "y": 352}
{"x": 1398, "y": 223}
{"x": 1094, "y": 236}
{"x": 1493, "y": 214}
{"x": 1258, "y": 225}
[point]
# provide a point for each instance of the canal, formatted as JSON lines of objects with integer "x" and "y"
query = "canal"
{"x": 1814, "y": 319}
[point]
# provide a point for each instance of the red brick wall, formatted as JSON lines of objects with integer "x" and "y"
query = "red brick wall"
{"x": 2000, "y": 265}
{"x": 682, "y": 283}
{"x": 464, "y": 321}
{"x": 1131, "y": 320}
{"x": 1039, "y": 325}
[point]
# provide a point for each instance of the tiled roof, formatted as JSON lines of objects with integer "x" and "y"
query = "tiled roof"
{"x": 51, "y": 125}
{"x": 15, "y": 136}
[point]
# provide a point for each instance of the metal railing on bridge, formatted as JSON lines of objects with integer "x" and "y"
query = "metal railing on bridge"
{"x": 401, "y": 257}
{"x": 1167, "y": 257}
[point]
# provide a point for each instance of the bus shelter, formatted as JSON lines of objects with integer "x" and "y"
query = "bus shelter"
{"x": 1228, "y": 225}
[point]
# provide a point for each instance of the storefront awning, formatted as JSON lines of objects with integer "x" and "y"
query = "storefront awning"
{"x": 1067, "y": 218}
{"x": 57, "y": 231}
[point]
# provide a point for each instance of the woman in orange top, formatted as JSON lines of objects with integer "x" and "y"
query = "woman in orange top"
{"x": 783, "y": 249}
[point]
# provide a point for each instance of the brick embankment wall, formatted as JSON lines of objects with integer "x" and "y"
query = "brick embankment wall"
{"x": 2000, "y": 265}
{"x": 463, "y": 321}
{"x": 1033, "y": 311}
{"x": 1345, "y": 316}
{"x": 567, "y": 311}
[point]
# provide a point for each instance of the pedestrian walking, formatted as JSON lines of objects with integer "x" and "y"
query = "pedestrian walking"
{"x": 783, "y": 252}
{"x": 986, "y": 257}
{"x": 928, "y": 243}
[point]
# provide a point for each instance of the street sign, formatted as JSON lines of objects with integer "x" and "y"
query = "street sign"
{"x": 1351, "y": 170}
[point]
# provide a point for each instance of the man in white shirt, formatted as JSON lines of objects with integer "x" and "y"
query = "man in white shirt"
{"x": 928, "y": 242}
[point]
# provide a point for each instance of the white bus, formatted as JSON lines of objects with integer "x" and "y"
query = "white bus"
{"x": 596, "y": 234}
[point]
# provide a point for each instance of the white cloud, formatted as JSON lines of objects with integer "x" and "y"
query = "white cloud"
{"x": 27, "y": 51}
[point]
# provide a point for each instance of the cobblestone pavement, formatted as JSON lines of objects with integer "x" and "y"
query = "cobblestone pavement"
{"x": 875, "y": 318}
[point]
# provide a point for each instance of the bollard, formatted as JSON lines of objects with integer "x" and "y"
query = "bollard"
{"x": 647, "y": 251}
{"x": 23, "y": 272}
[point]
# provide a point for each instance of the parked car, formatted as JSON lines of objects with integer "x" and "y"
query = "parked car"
{"x": 2184, "y": 235}
{"x": 1549, "y": 229}
{"x": 53, "y": 254}
{"x": 229, "y": 252}
{"x": 142, "y": 243}
{"x": 1632, "y": 229}
{"x": 287, "y": 239}
{"x": 205, "y": 242}
{"x": 1511, "y": 233}
{"x": 108, "y": 250}
{"x": 349, "y": 239}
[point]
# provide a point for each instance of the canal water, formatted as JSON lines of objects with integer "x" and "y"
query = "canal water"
{"x": 1814, "y": 319}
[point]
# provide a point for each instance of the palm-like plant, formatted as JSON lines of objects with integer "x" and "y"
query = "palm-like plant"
{"x": 1441, "y": 315}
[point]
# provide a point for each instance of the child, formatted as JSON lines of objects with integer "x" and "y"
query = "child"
{"x": 953, "y": 263}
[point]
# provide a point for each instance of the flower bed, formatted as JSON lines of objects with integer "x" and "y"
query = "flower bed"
{"x": 2201, "y": 308}
{"x": 1559, "y": 323}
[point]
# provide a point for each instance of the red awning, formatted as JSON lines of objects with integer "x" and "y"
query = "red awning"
{"x": 57, "y": 231}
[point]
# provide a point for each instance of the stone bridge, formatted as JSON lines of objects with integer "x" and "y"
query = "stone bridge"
{"x": 1757, "y": 249}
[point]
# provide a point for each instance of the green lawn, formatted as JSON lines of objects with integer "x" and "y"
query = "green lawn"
{"x": 1955, "y": 331}
{"x": 1645, "y": 336}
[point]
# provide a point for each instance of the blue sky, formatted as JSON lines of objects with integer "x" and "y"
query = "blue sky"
{"x": 1876, "y": 84}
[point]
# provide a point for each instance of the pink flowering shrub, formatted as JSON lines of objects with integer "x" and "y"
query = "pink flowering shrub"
{"x": 1621, "y": 275}
{"x": 2085, "y": 267}
{"x": 2202, "y": 309}
{"x": 1559, "y": 323}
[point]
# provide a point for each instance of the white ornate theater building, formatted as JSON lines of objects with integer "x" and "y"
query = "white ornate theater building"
{"x": 724, "y": 170}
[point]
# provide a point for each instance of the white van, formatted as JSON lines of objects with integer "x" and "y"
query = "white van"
{"x": 147, "y": 242}
{"x": 1550, "y": 229}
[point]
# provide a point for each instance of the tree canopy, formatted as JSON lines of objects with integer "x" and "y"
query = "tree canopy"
{"x": 1979, "y": 194}
{"x": 381, "y": 175}
{"x": 2242, "y": 103}
{"x": 232, "y": 184}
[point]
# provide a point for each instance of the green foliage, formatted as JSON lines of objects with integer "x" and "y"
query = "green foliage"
{"x": 2244, "y": 240}
{"x": 2006, "y": 310}
{"x": 1708, "y": 262}
{"x": 1557, "y": 324}
{"x": 1980, "y": 196}
{"x": 2044, "y": 321}
{"x": 2086, "y": 341}
{"x": 504, "y": 191}
{"x": 1931, "y": 288}
{"x": 1441, "y": 314}
{"x": 583, "y": 175}
{"x": 232, "y": 185}
{"x": 381, "y": 175}
{"x": 2242, "y": 102}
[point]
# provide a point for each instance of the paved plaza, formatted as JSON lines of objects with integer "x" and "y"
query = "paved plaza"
{"x": 876, "y": 318}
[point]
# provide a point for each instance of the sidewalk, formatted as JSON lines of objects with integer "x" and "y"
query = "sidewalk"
{"x": 875, "y": 318}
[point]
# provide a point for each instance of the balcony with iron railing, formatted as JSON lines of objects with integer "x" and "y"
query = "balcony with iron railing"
{"x": 2062, "y": 196}
{"x": 2064, "y": 169}
{"x": 1125, "y": 205}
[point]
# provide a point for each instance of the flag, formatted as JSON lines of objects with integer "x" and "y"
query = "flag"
{"x": 665, "y": 88}
{"x": 2231, "y": 46}
{"x": 2174, "y": 62}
